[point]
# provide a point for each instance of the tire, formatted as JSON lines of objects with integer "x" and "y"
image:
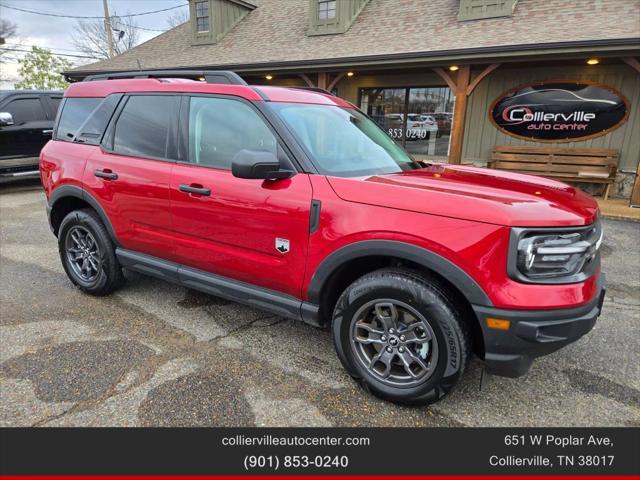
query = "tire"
{"x": 434, "y": 332}
{"x": 103, "y": 273}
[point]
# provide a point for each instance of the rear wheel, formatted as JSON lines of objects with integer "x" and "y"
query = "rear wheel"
{"x": 88, "y": 254}
{"x": 401, "y": 336}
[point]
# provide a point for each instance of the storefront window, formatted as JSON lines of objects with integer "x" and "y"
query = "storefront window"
{"x": 418, "y": 118}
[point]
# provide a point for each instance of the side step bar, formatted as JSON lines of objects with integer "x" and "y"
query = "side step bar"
{"x": 234, "y": 290}
{"x": 28, "y": 173}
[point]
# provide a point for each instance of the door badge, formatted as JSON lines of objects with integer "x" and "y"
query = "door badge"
{"x": 282, "y": 245}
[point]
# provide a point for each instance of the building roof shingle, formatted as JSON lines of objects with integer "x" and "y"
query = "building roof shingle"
{"x": 276, "y": 32}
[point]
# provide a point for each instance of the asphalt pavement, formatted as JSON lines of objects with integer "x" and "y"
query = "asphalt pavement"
{"x": 156, "y": 354}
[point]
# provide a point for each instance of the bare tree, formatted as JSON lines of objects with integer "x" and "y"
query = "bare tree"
{"x": 178, "y": 17}
{"x": 8, "y": 31}
{"x": 90, "y": 36}
{"x": 8, "y": 54}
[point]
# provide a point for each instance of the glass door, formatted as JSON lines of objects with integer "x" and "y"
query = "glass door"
{"x": 418, "y": 118}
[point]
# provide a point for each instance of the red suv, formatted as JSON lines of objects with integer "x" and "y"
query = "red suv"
{"x": 295, "y": 202}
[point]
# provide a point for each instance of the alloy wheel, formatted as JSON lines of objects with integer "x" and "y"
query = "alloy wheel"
{"x": 394, "y": 342}
{"x": 83, "y": 253}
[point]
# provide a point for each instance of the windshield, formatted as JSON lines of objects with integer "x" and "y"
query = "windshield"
{"x": 343, "y": 142}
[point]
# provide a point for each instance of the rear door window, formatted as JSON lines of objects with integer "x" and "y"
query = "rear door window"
{"x": 55, "y": 104}
{"x": 144, "y": 126}
{"x": 74, "y": 113}
{"x": 24, "y": 110}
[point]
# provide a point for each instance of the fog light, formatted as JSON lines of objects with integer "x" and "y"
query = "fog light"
{"x": 498, "y": 324}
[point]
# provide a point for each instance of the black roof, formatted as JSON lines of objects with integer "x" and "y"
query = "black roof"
{"x": 6, "y": 93}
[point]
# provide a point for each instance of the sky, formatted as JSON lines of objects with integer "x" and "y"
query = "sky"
{"x": 55, "y": 33}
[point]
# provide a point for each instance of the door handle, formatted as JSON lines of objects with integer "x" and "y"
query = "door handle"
{"x": 195, "y": 188}
{"x": 47, "y": 132}
{"x": 106, "y": 174}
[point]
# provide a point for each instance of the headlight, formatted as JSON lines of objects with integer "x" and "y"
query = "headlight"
{"x": 554, "y": 255}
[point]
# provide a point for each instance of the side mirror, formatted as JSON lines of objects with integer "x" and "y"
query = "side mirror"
{"x": 258, "y": 164}
{"x": 6, "y": 119}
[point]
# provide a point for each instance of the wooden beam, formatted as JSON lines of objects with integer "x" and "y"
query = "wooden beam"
{"x": 480, "y": 77}
{"x": 635, "y": 193}
{"x": 322, "y": 80}
{"x": 306, "y": 79}
{"x": 447, "y": 78}
{"x": 633, "y": 63}
{"x": 335, "y": 81}
{"x": 459, "y": 113}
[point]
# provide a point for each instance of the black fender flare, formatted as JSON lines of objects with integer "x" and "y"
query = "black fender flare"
{"x": 392, "y": 248}
{"x": 66, "y": 191}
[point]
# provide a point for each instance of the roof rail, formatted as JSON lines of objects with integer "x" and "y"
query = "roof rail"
{"x": 210, "y": 76}
{"x": 314, "y": 89}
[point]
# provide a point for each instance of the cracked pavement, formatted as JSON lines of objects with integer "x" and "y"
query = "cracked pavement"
{"x": 156, "y": 354}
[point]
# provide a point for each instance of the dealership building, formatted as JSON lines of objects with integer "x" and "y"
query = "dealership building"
{"x": 451, "y": 80}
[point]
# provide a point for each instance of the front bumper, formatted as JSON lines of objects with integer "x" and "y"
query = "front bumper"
{"x": 534, "y": 333}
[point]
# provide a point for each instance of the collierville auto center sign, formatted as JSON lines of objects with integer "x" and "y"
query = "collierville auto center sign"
{"x": 559, "y": 111}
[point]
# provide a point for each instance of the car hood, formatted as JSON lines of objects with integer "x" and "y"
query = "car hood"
{"x": 470, "y": 193}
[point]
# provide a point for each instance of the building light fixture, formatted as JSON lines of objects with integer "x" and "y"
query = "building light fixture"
{"x": 593, "y": 61}
{"x": 350, "y": 74}
{"x": 269, "y": 77}
{"x": 454, "y": 68}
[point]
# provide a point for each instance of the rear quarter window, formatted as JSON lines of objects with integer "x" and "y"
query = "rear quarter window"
{"x": 93, "y": 128}
{"x": 55, "y": 104}
{"x": 75, "y": 111}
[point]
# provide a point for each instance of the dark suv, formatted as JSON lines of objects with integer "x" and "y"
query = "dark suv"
{"x": 295, "y": 202}
{"x": 26, "y": 124}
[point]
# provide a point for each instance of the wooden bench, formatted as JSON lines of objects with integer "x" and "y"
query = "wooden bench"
{"x": 590, "y": 165}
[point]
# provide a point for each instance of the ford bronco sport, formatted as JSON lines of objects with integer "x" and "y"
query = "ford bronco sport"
{"x": 295, "y": 202}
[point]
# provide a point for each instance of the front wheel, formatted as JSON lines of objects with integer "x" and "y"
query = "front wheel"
{"x": 401, "y": 336}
